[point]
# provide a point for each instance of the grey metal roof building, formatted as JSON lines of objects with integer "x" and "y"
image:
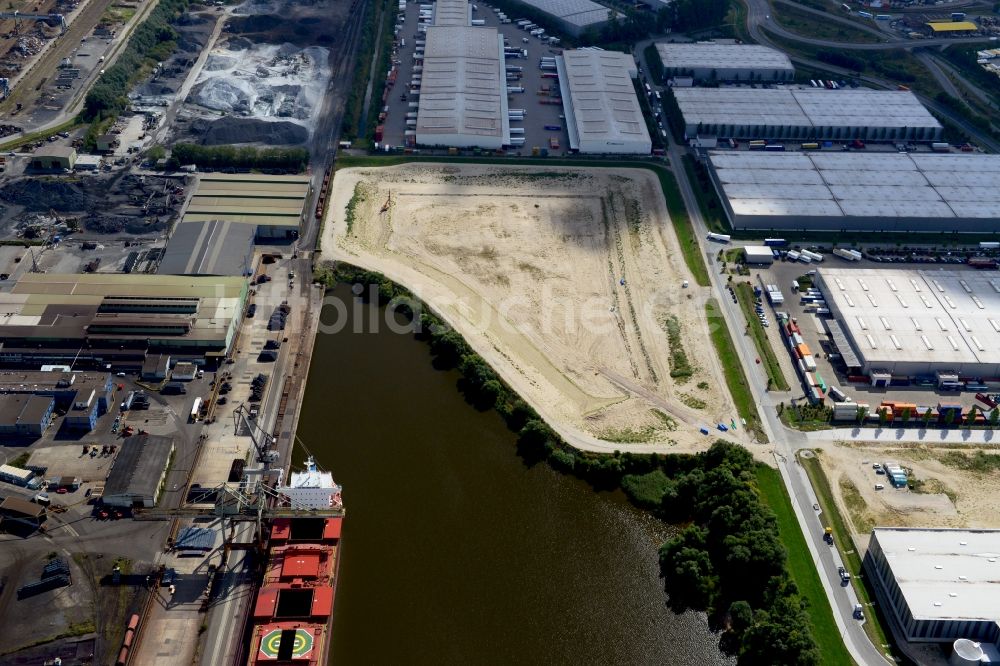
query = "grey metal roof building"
{"x": 463, "y": 90}
{"x": 938, "y": 585}
{"x": 599, "y": 100}
{"x": 115, "y": 318}
{"x": 452, "y": 12}
{"x": 859, "y": 191}
{"x": 806, "y": 114}
{"x": 271, "y": 204}
{"x": 572, "y": 16}
{"x": 916, "y": 322}
{"x": 725, "y": 62}
{"x": 138, "y": 472}
{"x": 209, "y": 248}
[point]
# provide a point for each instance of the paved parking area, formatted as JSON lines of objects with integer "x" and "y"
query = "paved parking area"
{"x": 537, "y": 115}
{"x": 813, "y": 330}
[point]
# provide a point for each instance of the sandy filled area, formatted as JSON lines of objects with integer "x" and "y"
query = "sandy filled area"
{"x": 950, "y": 492}
{"x": 563, "y": 279}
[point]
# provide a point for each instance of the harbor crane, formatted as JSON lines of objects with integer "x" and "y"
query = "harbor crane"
{"x": 51, "y": 19}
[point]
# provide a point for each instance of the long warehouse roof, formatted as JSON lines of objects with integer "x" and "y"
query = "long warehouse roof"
{"x": 945, "y": 573}
{"x": 461, "y": 89}
{"x": 451, "y": 12}
{"x": 713, "y": 55}
{"x": 575, "y": 12}
{"x": 803, "y": 107}
{"x": 604, "y": 105}
{"x": 257, "y": 199}
{"x": 914, "y": 315}
{"x": 855, "y": 184}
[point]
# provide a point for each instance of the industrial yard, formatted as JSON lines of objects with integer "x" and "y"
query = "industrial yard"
{"x": 563, "y": 279}
{"x": 945, "y": 485}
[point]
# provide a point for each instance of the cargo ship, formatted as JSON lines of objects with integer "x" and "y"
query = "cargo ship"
{"x": 293, "y": 613}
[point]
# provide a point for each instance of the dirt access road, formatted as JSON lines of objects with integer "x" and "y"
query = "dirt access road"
{"x": 563, "y": 279}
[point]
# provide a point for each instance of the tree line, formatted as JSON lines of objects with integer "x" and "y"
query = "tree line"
{"x": 152, "y": 42}
{"x": 728, "y": 560}
{"x": 250, "y": 157}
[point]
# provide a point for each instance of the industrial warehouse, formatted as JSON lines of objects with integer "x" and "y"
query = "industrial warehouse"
{"x": 100, "y": 319}
{"x": 912, "y": 323}
{"x": 839, "y": 191}
{"x": 463, "y": 90}
{"x": 712, "y": 61}
{"x": 271, "y": 205}
{"x": 805, "y": 113}
{"x": 940, "y": 585}
{"x": 572, "y": 16}
{"x": 601, "y": 107}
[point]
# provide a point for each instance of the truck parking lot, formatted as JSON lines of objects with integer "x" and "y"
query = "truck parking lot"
{"x": 537, "y": 86}
{"x": 810, "y": 321}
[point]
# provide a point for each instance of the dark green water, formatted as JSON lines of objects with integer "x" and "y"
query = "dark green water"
{"x": 454, "y": 551}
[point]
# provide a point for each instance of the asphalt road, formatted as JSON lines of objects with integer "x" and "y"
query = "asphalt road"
{"x": 759, "y": 16}
{"x": 786, "y": 442}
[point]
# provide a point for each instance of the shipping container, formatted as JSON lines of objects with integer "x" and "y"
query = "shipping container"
{"x": 719, "y": 238}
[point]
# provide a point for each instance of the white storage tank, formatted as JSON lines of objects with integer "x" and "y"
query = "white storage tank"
{"x": 965, "y": 653}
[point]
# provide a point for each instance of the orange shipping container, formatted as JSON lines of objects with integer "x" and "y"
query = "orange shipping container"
{"x": 804, "y": 350}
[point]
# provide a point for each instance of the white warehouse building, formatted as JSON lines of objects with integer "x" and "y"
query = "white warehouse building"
{"x": 938, "y": 585}
{"x": 572, "y": 16}
{"x": 857, "y": 191}
{"x": 463, "y": 90}
{"x": 600, "y": 103}
{"x": 907, "y": 323}
{"x": 714, "y": 61}
{"x": 813, "y": 114}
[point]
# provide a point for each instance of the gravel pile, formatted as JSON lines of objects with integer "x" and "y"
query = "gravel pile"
{"x": 250, "y": 130}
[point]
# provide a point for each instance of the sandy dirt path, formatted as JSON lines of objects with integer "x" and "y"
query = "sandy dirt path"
{"x": 562, "y": 279}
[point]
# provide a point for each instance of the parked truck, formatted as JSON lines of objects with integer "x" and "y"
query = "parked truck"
{"x": 849, "y": 255}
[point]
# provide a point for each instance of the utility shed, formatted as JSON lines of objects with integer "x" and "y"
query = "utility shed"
{"x": 600, "y": 103}
{"x": 758, "y": 254}
{"x": 938, "y": 585}
{"x": 463, "y": 91}
{"x": 713, "y": 61}
{"x": 54, "y": 158}
{"x": 21, "y": 511}
{"x": 139, "y": 471}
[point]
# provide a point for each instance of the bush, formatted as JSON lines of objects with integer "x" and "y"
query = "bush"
{"x": 647, "y": 490}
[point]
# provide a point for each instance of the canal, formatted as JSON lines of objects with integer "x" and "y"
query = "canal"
{"x": 454, "y": 550}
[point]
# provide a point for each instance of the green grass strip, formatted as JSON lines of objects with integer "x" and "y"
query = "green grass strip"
{"x": 744, "y": 294}
{"x": 800, "y": 566}
{"x": 736, "y": 380}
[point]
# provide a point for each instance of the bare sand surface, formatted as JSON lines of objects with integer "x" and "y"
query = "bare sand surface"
{"x": 949, "y": 495}
{"x": 562, "y": 279}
